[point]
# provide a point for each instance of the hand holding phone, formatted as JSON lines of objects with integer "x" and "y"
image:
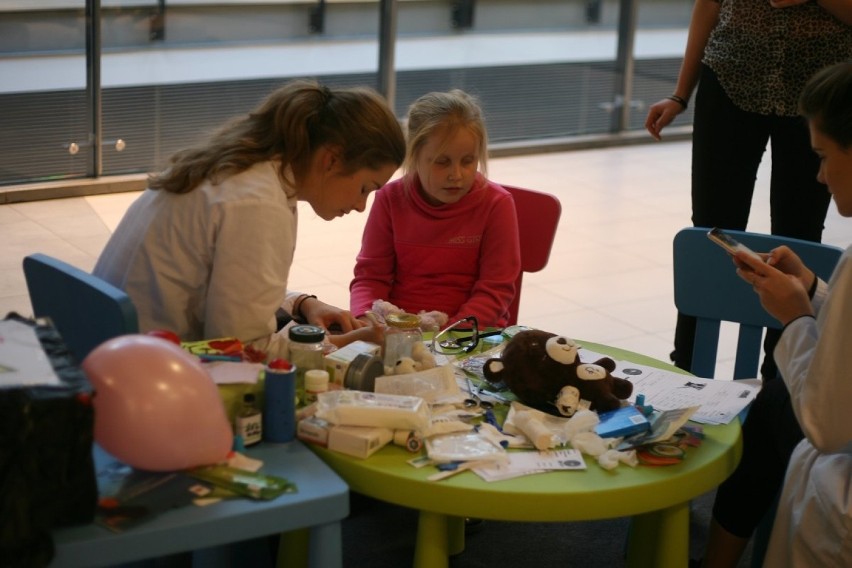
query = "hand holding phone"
{"x": 729, "y": 243}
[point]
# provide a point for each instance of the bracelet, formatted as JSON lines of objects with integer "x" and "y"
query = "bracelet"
{"x": 297, "y": 305}
{"x": 813, "y": 289}
{"x": 679, "y": 100}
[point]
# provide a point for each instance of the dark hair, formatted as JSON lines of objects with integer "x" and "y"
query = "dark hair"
{"x": 826, "y": 101}
{"x": 289, "y": 126}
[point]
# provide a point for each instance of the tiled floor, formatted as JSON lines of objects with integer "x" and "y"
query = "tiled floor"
{"x": 609, "y": 278}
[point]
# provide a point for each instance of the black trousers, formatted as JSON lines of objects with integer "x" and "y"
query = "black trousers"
{"x": 770, "y": 433}
{"x": 727, "y": 146}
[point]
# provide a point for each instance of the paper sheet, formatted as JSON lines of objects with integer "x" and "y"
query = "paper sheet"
{"x": 719, "y": 400}
{"x": 23, "y": 362}
{"x": 527, "y": 463}
{"x": 232, "y": 372}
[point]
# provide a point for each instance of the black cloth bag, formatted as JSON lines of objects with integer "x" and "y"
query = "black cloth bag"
{"x": 47, "y": 474}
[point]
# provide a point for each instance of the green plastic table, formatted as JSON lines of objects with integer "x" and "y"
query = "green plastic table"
{"x": 657, "y": 498}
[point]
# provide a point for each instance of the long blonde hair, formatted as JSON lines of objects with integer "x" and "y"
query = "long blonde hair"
{"x": 290, "y": 125}
{"x": 452, "y": 109}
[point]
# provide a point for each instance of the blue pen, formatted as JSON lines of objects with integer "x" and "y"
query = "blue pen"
{"x": 491, "y": 419}
{"x": 211, "y": 357}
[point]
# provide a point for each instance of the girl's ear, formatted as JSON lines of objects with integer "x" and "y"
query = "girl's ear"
{"x": 331, "y": 157}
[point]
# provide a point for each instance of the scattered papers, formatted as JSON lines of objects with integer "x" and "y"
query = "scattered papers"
{"x": 232, "y": 372}
{"x": 23, "y": 362}
{"x": 526, "y": 463}
{"x": 719, "y": 400}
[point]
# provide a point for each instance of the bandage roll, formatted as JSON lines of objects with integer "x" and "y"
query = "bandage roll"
{"x": 537, "y": 432}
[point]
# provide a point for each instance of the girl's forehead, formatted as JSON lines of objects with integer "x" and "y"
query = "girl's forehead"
{"x": 447, "y": 135}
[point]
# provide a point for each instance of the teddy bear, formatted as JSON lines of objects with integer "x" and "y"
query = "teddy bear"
{"x": 544, "y": 371}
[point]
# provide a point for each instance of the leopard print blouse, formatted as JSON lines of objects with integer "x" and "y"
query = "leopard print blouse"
{"x": 763, "y": 56}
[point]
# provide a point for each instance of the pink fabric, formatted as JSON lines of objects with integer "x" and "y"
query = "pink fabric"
{"x": 461, "y": 259}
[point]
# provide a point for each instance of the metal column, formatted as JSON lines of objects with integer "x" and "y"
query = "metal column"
{"x": 387, "y": 46}
{"x": 624, "y": 65}
{"x": 93, "y": 84}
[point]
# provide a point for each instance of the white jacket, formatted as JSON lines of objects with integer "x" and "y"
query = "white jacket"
{"x": 813, "y": 526}
{"x": 209, "y": 263}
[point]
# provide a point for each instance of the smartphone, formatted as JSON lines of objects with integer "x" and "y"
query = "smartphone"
{"x": 729, "y": 243}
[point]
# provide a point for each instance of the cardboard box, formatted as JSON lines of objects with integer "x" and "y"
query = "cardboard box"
{"x": 358, "y": 441}
{"x": 313, "y": 430}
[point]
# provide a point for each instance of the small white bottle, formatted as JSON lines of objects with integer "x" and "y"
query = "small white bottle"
{"x": 249, "y": 421}
{"x": 316, "y": 382}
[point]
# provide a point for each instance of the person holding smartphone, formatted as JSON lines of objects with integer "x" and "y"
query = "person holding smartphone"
{"x": 813, "y": 525}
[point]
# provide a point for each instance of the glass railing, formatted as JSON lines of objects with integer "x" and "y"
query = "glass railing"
{"x": 169, "y": 71}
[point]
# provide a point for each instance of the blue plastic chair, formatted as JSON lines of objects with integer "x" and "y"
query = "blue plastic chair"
{"x": 706, "y": 286}
{"x": 85, "y": 309}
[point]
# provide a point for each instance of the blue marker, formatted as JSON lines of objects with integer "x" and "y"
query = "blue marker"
{"x": 211, "y": 357}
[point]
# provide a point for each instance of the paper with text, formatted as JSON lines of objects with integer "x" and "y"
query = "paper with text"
{"x": 527, "y": 463}
{"x": 719, "y": 400}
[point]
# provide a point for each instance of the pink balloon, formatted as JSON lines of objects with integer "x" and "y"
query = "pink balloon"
{"x": 156, "y": 408}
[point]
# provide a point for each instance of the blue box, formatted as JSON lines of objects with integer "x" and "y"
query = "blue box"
{"x": 625, "y": 421}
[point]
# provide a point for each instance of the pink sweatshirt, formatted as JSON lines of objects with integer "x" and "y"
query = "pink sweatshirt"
{"x": 461, "y": 259}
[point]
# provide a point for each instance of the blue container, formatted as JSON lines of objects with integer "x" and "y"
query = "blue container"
{"x": 279, "y": 409}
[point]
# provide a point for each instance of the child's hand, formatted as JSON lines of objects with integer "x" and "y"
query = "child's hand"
{"x": 789, "y": 263}
{"x": 762, "y": 257}
{"x": 372, "y": 333}
{"x": 782, "y": 295}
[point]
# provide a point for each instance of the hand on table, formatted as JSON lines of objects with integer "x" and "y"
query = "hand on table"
{"x": 370, "y": 332}
{"x": 781, "y": 293}
{"x": 327, "y": 316}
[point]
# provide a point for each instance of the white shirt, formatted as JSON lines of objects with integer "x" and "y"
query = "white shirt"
{"x": 212, "y": 262}
{"x": 813, "y": 526}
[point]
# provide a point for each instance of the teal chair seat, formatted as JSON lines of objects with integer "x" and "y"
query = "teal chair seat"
{"x": 84, "y": 309}
{"x": 707, "y": 287}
